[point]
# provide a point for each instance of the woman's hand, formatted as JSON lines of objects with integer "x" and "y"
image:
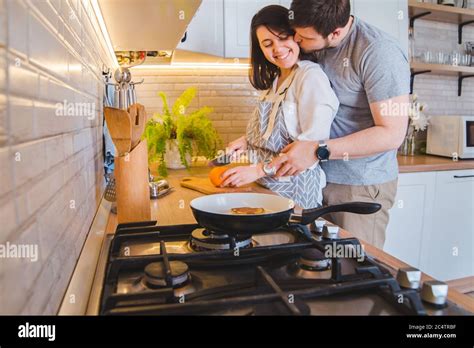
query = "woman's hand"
{"x": 237, "y": 146}
{"x": 240, "y": 176}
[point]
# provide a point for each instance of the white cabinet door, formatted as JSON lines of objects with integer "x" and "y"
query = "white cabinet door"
{"x": 205, "y": 33}
{"x": 389, "y": 15}
{"x": 449, "y": 247}
{"x": 238, "y": 16}
{"x": 411, "y": 217}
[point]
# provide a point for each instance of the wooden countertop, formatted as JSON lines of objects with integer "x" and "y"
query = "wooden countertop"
{"x": 174, "y": 209}
{"x": 429, "y": 163}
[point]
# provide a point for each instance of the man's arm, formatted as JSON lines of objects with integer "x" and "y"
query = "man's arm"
{"x": 391, "y": 121}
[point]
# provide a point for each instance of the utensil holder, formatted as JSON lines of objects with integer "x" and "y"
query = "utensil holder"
{"x": 133, "y": 192}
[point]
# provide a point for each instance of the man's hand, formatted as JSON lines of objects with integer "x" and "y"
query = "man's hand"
{"x": 295, "y": 158}
{"x": 243, "y": 175}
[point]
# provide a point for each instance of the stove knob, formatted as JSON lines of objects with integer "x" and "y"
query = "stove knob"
{"x": 409, "y": 277}
{"x": 434, "y": 292}
{"x": 331, "y": 232}
{"x": 319, "y": 224}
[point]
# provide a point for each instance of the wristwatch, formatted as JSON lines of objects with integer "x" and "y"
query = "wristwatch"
{"x": 323, "y": 153}
{"x": 268, "y": 171}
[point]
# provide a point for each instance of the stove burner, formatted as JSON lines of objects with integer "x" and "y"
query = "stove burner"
{"x": 311, "y": 265}
{"x": 203, "y": 240}
{"x": 155, "y": 274}
{"x": 314, "y": 260}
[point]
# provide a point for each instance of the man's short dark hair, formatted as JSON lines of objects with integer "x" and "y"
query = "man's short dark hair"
{"x": 324, "y": 16}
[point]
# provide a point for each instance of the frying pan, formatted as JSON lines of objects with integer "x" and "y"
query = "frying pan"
{"x": 214, "y": 212}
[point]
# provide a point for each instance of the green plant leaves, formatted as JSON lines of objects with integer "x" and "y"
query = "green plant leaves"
{"x": 195, "y": 133}
{"x": 182, "y": 103}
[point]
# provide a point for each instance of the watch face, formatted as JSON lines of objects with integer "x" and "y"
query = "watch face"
{"x": 323, "y": 153}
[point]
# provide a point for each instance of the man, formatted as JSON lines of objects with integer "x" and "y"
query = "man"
{"x": 370, "y": 75}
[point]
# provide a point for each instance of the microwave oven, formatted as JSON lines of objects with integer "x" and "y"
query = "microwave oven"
{"x": 451, "y": 136}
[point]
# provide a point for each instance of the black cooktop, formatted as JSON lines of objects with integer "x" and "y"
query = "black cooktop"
{"x": 185, "y": 270}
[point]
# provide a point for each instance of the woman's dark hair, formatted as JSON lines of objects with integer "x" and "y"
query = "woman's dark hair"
{"x": 322, "y": 15}
{"x": 274, "y": 18}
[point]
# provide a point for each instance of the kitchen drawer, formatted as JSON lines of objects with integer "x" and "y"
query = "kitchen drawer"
{"x": 455, "y": 176}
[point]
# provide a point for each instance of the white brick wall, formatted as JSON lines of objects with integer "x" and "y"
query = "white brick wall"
{"x": 49, "y": 53}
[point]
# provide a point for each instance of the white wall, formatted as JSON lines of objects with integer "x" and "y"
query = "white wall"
{"x": 51, "y": 173}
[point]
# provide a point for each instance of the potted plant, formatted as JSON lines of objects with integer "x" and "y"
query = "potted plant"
{"x": 174, "y": 136}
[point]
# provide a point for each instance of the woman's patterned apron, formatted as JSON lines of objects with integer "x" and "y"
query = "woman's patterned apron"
{"x": 266, "y": 136}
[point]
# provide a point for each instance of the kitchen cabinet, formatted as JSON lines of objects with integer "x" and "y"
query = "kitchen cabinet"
{"x": 238, "y": 17}
{"x": 449, "y": 251}
{"x": 205, "y": 33}
{"x": 222, "y": 27}
{"x": 411, "y": 216}
{"x": 432, "y": 223}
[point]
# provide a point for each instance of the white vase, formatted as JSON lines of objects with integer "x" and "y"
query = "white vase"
{"x": 172, "y": 158}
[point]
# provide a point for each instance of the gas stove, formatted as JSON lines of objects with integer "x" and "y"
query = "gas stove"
{"x": 147, "y": 269}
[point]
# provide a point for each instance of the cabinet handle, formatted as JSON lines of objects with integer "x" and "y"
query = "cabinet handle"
{"x": 463, "y": 176}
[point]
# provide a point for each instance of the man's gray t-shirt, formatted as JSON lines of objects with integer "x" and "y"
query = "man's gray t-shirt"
{"x": 368, "y": 66}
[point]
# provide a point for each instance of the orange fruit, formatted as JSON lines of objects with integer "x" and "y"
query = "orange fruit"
{"x": 215, "y": 175}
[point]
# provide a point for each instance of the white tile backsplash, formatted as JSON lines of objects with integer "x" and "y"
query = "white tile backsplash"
{"x": 22, "y": 78}
{"x": 46, "y": 10}
{"x": 47, "y": 50}
{"x": 3, "y": 64}
{"x": 17, "y": 30}
{"x": 7, "y": 216}
{"x": 3, "y": 23}
{"x": 22, "y": 124}
{"x": 53, "y": 56}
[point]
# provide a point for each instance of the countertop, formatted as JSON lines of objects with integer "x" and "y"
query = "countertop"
{"x": 429, "y": 163}
{"x": 174, "y": 209}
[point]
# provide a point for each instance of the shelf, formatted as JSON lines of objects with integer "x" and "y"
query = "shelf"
{"x": 443, "y": 69}
{"x": 440, "y": 13}
{"x": 461, "y": 72}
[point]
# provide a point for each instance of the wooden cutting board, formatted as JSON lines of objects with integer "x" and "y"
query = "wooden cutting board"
{"x": 205, "y": 186}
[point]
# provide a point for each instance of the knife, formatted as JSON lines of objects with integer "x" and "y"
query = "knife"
{"x": 222, "y": 160}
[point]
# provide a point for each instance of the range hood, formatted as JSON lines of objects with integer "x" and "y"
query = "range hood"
{"x": 147, "y": 25}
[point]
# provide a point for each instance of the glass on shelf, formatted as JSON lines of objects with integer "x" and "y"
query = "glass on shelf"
{"x": 427, "y": 57}
{"x": 442, "y": 58}
{"x": 466, "y": 60}
{"x": 455, "y": 58}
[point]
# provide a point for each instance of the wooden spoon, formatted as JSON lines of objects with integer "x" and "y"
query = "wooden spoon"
{"x": 118, "y": 123}
{"x": 138, "y": 119}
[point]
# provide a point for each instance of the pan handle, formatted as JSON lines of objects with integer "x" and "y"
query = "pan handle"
{"x": 310, "y": 215}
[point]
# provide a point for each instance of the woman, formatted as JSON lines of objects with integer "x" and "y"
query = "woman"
{"x": 297, "y": 104}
